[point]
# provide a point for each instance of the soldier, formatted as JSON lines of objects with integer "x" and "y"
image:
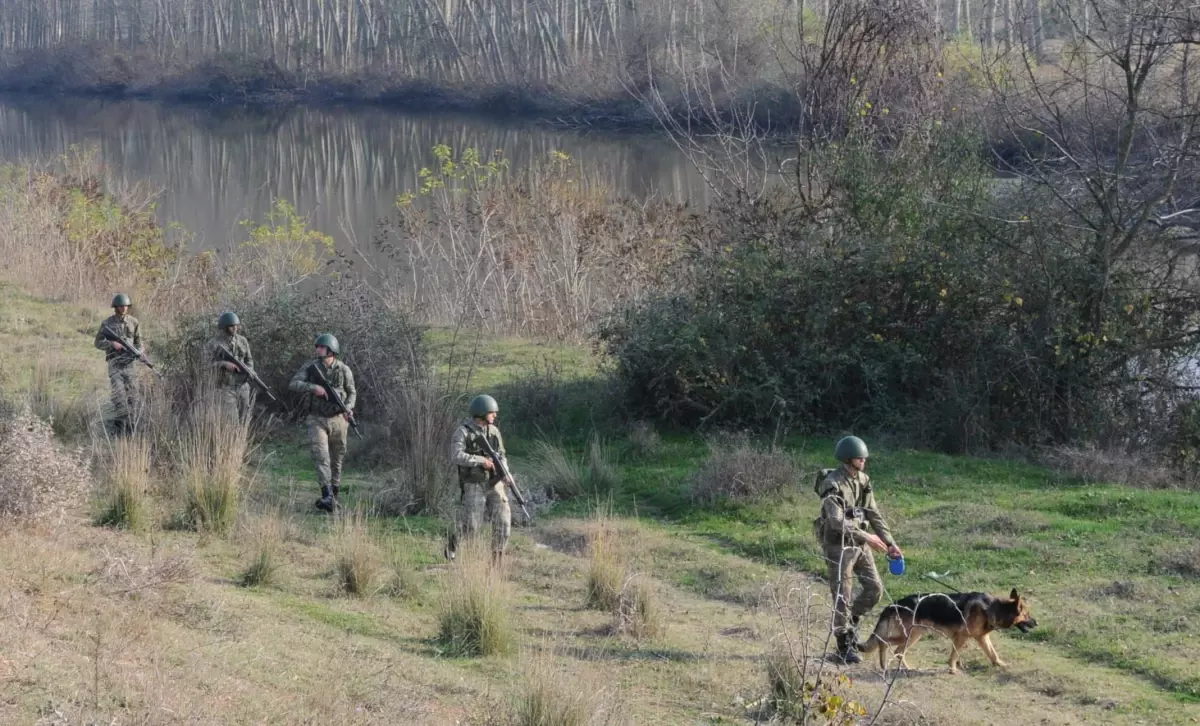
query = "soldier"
{"x": 483, "y": 492}
{"x": 847, "y": 507}
{"x": 327, "y": 425}
{"x": 121, "y": 361}
{"x": 233, "y": 385}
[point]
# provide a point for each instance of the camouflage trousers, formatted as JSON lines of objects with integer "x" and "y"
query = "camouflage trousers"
{"x": 845, "y": 563}
{"x": 480, "y": 502}
{"x": 235, "y": 401}
{"x": 327, "y": 441}
{"x": 124, "y": 391}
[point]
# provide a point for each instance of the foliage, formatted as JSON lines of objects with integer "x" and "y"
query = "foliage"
{"x": 908, "y": 309}
{"x": 282, "y": 251}
{"x": 381, "y": 344}
{"x": 739, "y": 469}
{"x": 801, "y": 701}
{"x": 544, "y": 254}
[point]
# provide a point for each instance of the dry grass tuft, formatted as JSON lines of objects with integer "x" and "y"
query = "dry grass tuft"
{"x": 476, "y": 607}
{"x": 639, "y": 612}
{"x": 566, "y": 478}
{"x": 126, "y": 480}
{"x": 358, "y": 561}
{"x": 1100, "y": 466}
{"x": 1183, "y": 561}
{"x": 549, "y": 697}
{"x": 212, "y": 465}
{"x": 606, "y": 568}
{"x": 739, "y": 469}
{"x": 644, "y": 441}
{"x": 266, "y": 539}
{"x": 38, "y": 478}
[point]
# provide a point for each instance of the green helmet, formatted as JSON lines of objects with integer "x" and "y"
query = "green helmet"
{"x": 330, "y": 342}
{"x": 121, "y": 300}
{"x": 850, "y": 447}
{"x": 227, "y": 319}
{"x": 482, "y": 405}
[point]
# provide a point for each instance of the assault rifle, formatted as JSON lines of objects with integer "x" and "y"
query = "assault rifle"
{"x": 502, "y": 472}
{"x": 227, "y": 355}
{"x": 131, "y": 350}
{"x": 334, "y": 397}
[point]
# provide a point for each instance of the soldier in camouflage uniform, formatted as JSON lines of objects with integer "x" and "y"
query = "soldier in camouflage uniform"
{"x": 483, "y": 492}
{"x": 120, "y": 361}
{"x": 327, "y": 426}
{"x": 847, "y": 507}
{"x": 233, "y": 385}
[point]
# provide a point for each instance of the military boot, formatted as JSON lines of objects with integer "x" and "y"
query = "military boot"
{"x": 336, "y": 502}
{"x": 451, "y": 547}
{"x": 326, "y": 501}
{"x": 847, "y": 648}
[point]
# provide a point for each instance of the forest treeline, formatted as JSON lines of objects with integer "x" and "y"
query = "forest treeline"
{"x": 546, "y": 56}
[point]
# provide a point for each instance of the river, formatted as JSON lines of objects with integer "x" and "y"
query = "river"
{"x": 341, "y": 167}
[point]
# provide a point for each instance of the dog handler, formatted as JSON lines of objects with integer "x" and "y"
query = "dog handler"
{"x": 847, "y": 507}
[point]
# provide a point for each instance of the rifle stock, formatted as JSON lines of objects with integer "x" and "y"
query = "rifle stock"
{"x": 130, "y": 349}
{"x": 228, "y": 355}
{"x": 334, "y": 397}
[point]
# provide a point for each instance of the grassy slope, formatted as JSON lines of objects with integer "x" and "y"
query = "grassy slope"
{"x": 151, "y": 629}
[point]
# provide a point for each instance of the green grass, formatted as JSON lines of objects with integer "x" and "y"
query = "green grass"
{"x": 985, "y": 524}
{"x": 1094, "y": 559}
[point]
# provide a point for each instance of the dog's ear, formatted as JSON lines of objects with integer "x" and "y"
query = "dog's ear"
{"x": 1014, "y": 594}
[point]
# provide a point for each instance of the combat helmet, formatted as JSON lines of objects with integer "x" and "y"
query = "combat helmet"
{"x": 121, "y": 300}
{"x": 482, "y": 405}
{"x": 228, "y": 318}
{"x": 330, "y": 342}
{"x": 850, "y": 447}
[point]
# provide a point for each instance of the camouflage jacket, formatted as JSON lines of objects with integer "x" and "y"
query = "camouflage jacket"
{"x": 848, "y": 506}
{"x": 125, "y": 326}
{"x": 339, "y": 377}
{"x": 468, "y": 453}
{"x": 236, "y": 344}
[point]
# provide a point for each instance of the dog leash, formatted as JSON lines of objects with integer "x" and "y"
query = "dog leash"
{"x": 941, "y": 582}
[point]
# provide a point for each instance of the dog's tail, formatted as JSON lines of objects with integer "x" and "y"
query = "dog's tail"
{"x": 888, "y": 627}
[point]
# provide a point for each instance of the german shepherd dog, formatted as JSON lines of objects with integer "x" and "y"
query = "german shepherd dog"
{"x": 961, "y": 616}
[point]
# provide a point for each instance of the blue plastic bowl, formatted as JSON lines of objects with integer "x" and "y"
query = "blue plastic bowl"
{"x": 896, "y": 566}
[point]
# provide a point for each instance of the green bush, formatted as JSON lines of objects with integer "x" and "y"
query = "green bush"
{"x": 905, "y": 307}
{"x": 382, "y": 346}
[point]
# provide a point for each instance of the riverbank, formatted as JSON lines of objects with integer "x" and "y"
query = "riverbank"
{"x": 262, "y": 84}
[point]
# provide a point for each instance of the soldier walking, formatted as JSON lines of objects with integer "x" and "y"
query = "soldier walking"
{"x": 847, "y": 507}
{"x": 483, "y": 490}
{"x": 233, "y": 384}
{"x": 121, "y": 361}
{"x": 328, "y": 426}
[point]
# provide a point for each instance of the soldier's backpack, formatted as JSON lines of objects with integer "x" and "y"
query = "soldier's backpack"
{"x": 821, "y": 474}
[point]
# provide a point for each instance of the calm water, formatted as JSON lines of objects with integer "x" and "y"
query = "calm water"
{"x": 342, "y": 168}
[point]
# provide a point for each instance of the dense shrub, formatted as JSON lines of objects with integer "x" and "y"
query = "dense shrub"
{"x": 381, "y": 345}
{"x": 901, "y": 305}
